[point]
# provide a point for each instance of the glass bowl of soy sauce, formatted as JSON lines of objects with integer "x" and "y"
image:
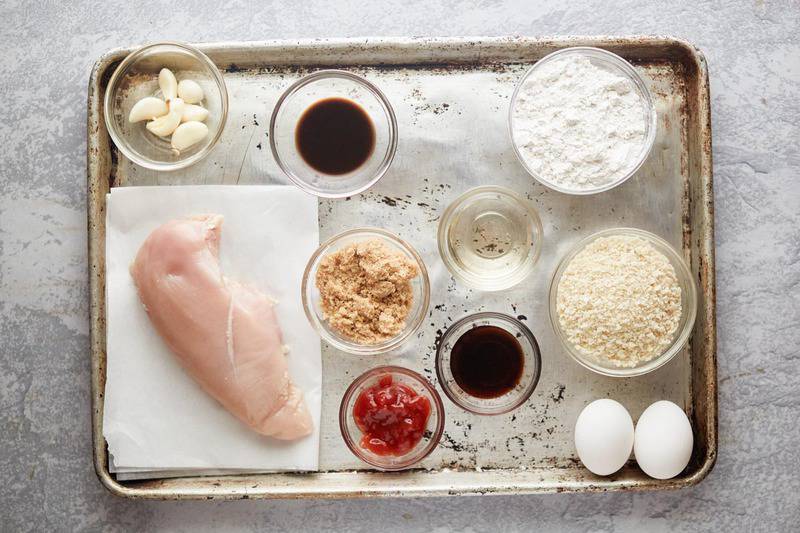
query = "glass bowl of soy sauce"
{"x": 488, "y": 363}
{"x": 333, "y": 133}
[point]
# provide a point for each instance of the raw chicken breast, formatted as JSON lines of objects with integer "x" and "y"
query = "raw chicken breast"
{"x": 224, "y": 334}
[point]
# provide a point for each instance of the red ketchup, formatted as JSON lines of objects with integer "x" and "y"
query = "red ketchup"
{"x": 392, "y": 417}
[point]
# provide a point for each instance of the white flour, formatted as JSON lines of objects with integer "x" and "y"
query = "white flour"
{"x": 577, "y": 125}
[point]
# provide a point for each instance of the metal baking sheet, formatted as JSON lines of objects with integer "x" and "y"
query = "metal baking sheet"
{"x": 451, "y": 98}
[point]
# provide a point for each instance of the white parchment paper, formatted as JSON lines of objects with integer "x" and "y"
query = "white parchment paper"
{"x": 156, "y": 418}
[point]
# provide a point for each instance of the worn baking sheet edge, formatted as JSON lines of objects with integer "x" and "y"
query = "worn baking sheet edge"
{"x": 448, "y": 50}
{"x": 703, "y": 218}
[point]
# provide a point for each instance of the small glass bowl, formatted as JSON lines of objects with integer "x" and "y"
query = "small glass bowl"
{"x": 513, "y": 251}
{"x": 507, "y": 402}
{"x": 352, "y": 434}
{"x": 301, "y": 95}
{"x": 312, "y": 301}
{"x": 611, "y": 62}
{"x": 137, "y": 77}
{"x": 688, "y": 305}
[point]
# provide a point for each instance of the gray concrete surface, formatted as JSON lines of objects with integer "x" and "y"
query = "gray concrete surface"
{"x": 46, "y": 52}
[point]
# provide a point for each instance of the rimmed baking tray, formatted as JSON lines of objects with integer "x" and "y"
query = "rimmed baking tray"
{"x": 451, "y": 97}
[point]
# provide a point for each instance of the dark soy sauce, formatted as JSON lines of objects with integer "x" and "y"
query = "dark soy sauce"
{"x": 335, "y": 136}
{"x": 487, "y": 362}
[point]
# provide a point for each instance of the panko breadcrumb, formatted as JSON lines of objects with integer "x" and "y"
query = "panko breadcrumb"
{"x": 366, "y": 290}
{"x": 619, "y": 301}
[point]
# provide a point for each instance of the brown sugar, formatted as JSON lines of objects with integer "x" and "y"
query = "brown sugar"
{"x": 366, "y": 290}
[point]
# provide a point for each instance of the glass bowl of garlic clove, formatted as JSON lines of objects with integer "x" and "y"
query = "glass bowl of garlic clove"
{"x": 165, "y": 106}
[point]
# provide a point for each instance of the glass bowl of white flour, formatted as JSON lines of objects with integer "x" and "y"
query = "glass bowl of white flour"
{"x": 582, "y": 120}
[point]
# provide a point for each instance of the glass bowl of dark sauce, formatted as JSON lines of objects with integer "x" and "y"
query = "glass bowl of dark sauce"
{"x": 488, "y": 363}
{"x": 333, "y": 133}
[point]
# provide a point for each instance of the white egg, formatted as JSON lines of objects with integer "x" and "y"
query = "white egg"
{"x": 663, "y": 440}
{"x": 604, "y": 436}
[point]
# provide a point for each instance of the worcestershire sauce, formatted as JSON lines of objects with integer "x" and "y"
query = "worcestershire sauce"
{"x": 335, "y": 136}
{"x": 487, "y": 361}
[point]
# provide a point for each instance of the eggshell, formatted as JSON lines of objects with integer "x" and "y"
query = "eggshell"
{"x": 604, "y": 436}
{"x": 663, "y": 440}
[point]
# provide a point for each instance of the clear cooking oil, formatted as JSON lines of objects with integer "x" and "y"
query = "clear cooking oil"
{"x": 491, "y": 238}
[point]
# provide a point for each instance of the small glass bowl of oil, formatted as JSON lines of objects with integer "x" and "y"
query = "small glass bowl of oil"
{"x": 490, "y": 238}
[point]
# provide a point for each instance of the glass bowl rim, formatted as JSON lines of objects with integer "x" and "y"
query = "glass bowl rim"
{"x": 508, "y": 281}
{"x": 111, "y": 88}
{"x": 624, "y": 66}
{"x": 438, "y": 407}
{"x": 680, "y": 340}
{"x": 340, "y": 342}
{"x": 359, "y": 80}
{"x": 529, "y": 389}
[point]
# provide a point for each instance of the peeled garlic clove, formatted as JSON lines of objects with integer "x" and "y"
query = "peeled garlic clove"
{"x": 177, "y": 105}
{"x": 194, "y": 112}
{"x": 190, "y": 91}
{"x": 188, "y": 134}
{"x": 147, "y": 109}
{"x": 165, "y": 125}
{"x": 168, "y": 84}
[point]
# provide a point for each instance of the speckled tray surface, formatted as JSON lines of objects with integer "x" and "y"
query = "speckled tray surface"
{"x": 451, "y": 98}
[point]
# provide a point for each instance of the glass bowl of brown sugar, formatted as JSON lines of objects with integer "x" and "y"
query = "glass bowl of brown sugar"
{"x": 366, "y": 291}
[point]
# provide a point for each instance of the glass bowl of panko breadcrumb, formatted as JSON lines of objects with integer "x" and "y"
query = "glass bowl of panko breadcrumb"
{"x": 366, "y": 291}
{"x": 623, "y": 302}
